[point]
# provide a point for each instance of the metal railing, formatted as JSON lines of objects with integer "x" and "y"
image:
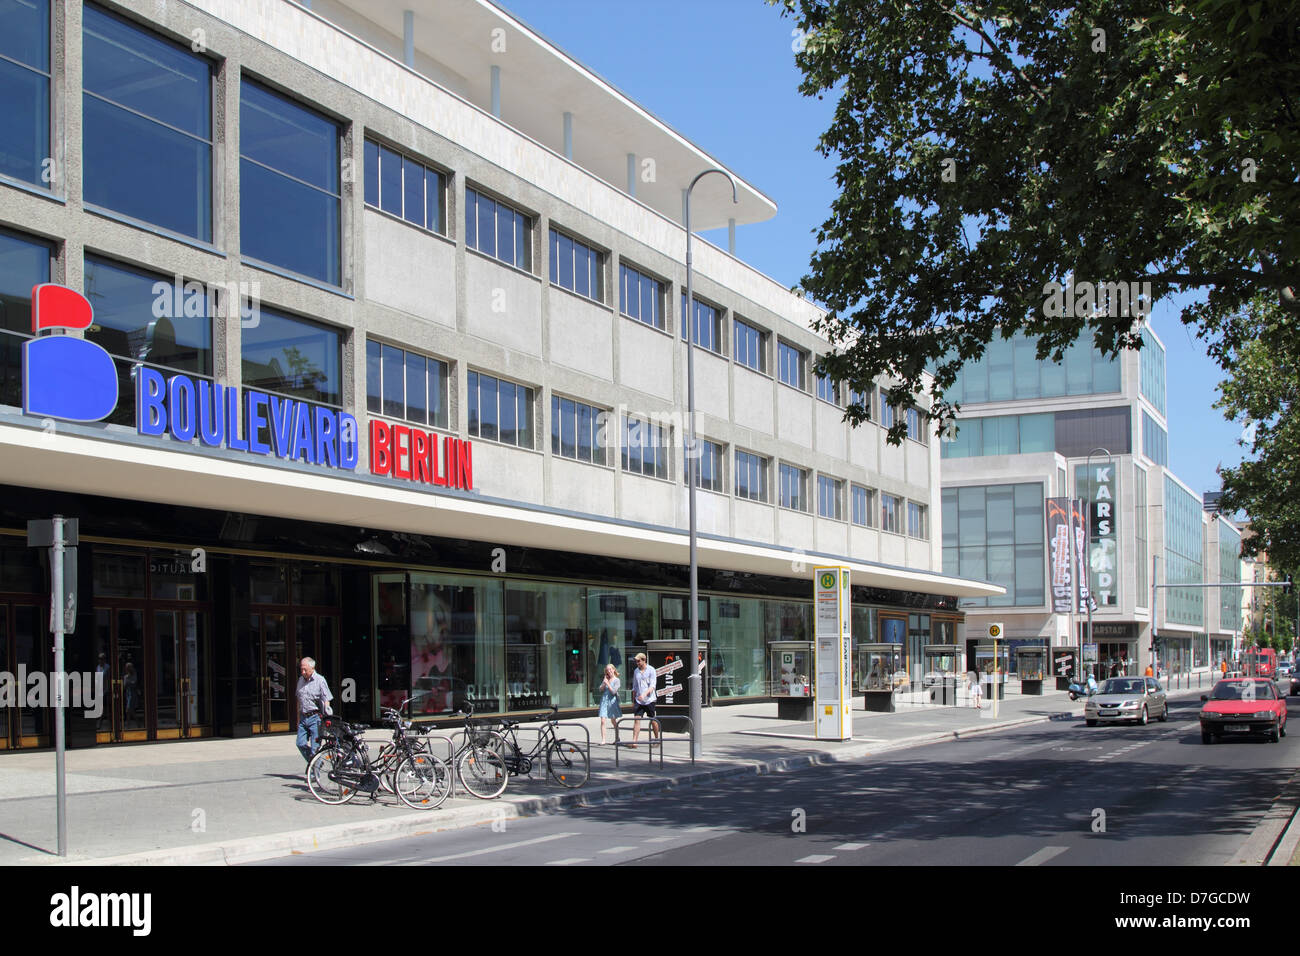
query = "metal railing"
{"x": 655, "y": 736}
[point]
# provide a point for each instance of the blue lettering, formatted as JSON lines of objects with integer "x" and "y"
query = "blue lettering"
{"x": 302, "y": 443}
{"x": 257, "y": 422}
{"x": 282, "y": 424}
{"x": 180, "y": 402}
{"x": 212, "y": 413}
{"x": 150, "y": 410}
{"x": 233, "y": 441}
{"x": 326, "y": 434}
{"x": 348, "y": 445}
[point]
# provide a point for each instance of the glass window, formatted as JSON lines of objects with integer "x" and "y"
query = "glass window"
{"x": 1010, "y": 369}
{"x": 136, "y": 320}
{"x": 916, "y": 429}
{"x": 830, "y": 497}
{"x": 751, "y": 346}
{"x": 1079, "y": 431}
{"x": 578, "y": 430}
{"x": 791, "y": 366}
{"x": 888, "y": 411}
{"x": 500, "y": 410}
{"x": 827, "y": 390}
{"x": 24, "y": 263}
{"x": 406, "y": 385}
{"x": 708, "y": 473}
{"x": 1153, "y": 370}
{"x": 891, "y": 514}
{"x": 1155, "y": 441}
{"x": 25, "y": 92}
{"x": 751, "y": 476}
{"x": 794, "y": 488}
{"x": 863, "y": 399}
{"x": 576, "y": 266}
{"x": 147, "y": 126}
{"x": 645, "y": 448}
{"x": 864, "y": 505}
{"x": 995, "y": 533}
{"x": 293, "y": 357}
{"x": 708, "y": 326}
{"x": 641, "y": 297}
{"x": 918, "y": 520}
{"x": 495, "y": 229}
{"x": 289, "y": 196}
{"x": 405, "y": 187}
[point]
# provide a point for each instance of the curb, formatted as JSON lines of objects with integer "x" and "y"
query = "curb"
{"x": 1275, "y": 838}
{"x": 257, "y": 849}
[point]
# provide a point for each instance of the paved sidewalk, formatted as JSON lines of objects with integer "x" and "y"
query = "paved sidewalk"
{"x": 218, "y": 801}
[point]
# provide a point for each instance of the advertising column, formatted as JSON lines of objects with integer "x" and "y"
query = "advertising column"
{"x": 833, "y": 718}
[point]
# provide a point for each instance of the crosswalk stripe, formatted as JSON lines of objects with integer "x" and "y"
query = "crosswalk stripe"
{"x": 1043, "y": 855}
{"x": 816, "y": 858}
{"x": 851, "y": 846}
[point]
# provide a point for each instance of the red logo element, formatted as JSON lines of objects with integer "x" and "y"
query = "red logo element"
{"x": 58, "y": 307}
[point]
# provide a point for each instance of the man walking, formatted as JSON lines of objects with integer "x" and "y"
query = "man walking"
{"x": 644, "y": 680}
{"x": 313, "y": 698}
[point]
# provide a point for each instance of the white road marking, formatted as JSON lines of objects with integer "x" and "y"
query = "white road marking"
{"x": 491, "y": 849}
{"x": 661, "y": 839}
{"x": 816, "y": 858}
{"x": 569, "y": 862}
{"x": 1043, "y": 855}
{"x": 617, "y": 849}
{"x": 851, "y": 846}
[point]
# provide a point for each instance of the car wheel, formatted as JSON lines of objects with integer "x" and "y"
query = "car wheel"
{"x": 1276, "y": 735}
{"x": 1091, "y": 723}
{"x": 1206, "y": 737}
{"x": 1164, "y": 713}
{"x": 1145, "y": 717}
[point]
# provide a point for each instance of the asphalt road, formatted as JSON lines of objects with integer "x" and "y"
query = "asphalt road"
{"x": 1050, "y": 794}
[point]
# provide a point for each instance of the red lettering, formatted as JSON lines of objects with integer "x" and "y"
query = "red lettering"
{"x": 420, "y": 455}
{"x": 467, "y": 465}
{"x": 381, "y": 461}
{"x": 453, "y": 463}
{"x": 399, "y": 449}
{"x": 439, "y": 477}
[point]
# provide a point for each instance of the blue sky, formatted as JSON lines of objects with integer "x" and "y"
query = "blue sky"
{"x": 722, "y": 74}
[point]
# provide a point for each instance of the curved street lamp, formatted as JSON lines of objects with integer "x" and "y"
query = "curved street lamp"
{"x": 692, "y": 457}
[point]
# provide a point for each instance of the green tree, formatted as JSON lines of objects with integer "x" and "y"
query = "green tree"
{"x": 986, "y": 151}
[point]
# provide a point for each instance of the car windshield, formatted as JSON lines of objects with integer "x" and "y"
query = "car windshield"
{"x": 1122, "y": 685}
{"x": 1242, "y": 690}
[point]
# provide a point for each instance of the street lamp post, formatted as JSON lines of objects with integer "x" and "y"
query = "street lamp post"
{"x": 692, "y": 458}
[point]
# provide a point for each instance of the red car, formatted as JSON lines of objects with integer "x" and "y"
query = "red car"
{"x": 1242, "y": 706}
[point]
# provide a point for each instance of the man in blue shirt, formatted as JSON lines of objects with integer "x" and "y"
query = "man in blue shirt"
{"x": 313, "y": 698}
{"x": 644, "y": 680}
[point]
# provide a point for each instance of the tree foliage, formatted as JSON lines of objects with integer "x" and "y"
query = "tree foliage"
{"x": 987, "y": 150}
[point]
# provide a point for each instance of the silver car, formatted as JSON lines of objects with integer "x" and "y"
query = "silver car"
{"x": 1127, "y": 698}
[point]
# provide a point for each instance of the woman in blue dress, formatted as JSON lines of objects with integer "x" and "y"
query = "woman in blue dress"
{"x": 609, "y": 709}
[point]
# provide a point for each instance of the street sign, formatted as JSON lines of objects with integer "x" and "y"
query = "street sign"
{"x": 40, "y": 532}
{"x": 69, "y": 592}
{"x": 995, "y": 631}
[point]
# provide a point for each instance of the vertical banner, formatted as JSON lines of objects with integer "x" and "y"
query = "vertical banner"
{"x": 1080, "y": 525}
{"x": 1058, "y": 554}
{"x": 1103, "y": 549}
{"x": 832, "y": 638}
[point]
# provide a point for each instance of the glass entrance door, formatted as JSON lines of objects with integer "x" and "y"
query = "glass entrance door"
{"x": 120, "y": 656}
{"x": 179, "y": 685}
{"x": 316, "y": 636}
{"x": 270, "y": 634}
{"x": 24, "y": 650}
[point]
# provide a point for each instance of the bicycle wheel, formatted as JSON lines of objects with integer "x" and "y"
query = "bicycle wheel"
{"x": 322, "y": 774}
{"x": 386, "y": 764}
{"x": 482, "y": 772}
{"x": 423, "y": 782}
{"x": 567, "y": 763}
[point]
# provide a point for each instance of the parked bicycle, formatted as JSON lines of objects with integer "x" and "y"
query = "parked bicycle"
{"x": 566, "y": 761}
{"x": 342, "y": 768}
{"x": 478, "y": 762}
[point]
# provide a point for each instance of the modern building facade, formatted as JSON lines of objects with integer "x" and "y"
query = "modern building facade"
{"x": 1092, "y": 428}
{"x": 392, "y": 299}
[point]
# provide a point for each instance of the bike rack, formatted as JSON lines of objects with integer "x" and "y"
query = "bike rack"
{"x": 656, "y": 737}
{"x": 538, "y": 730}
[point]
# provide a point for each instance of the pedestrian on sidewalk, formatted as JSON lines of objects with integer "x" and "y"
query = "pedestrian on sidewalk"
{"x": 313, "y": 697}
{"x": 976, "y": 692}
{"x": 1150, "y": 671}
{"x": 609, "y": 709}
{"x": 644, "y": 680}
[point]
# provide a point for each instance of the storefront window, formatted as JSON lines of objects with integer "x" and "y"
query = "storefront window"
{"x": 268, "y": 583}
{"x": 392, "y": 640}
{"x": 736, "y": 648}
{"x": 621, "y": 621}
{"x": 456, "y": 644}
{"x": 786, "y": 621}
{"x": 546, "y": 646}
{"x": 119, "y": 575}
{"x": 172, "y": 577}
{"x": 20, "y": 571}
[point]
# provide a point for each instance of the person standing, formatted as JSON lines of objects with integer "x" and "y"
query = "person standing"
{"x": 609, "y": 709}
{"x": 313, "y": 697}
{"x": 976, "y": 693}
{"x": 644, "y": 680}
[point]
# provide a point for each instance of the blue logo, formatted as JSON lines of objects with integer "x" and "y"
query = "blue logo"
{"x": 63, "y": 377}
